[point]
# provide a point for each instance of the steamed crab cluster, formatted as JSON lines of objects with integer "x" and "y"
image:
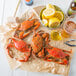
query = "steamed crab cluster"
{"x": 39, "y": 46}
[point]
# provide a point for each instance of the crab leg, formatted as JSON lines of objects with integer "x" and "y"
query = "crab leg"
{"x": 31, "y": 16}
{"x": 37, "y": 24}
{"x": 24, "y": 60}
{"x": 41, "y": 53}
{"x": 8, "y": 51}
{"x": 68, "y": 51}
{"x": 33, "y": 54}
{"x": 27, "y": 34}
{"x": 22, "y": 35}
{"x": 47, "y": 58}
{"x": 64, "y": 62}
{"x": 26, "y": 57}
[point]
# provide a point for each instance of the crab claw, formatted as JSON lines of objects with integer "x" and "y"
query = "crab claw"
{"x": 65, "y": 61}
{"x": 23, "y": 60}
{"x": 37, "y": 24}
{"x": 41, "y": 53}
{"x": 22, "y": 35}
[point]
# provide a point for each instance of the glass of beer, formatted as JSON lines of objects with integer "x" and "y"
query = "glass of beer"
{"x": 69, "y": 26}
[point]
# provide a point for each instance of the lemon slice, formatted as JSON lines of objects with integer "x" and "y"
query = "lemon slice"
{"x": 45, "y": 22}
{"x": 54, "y": 22}
{"x": 50, "y": 6}
{"x": 59, "y": 15}
{"x": 48, "y": 13}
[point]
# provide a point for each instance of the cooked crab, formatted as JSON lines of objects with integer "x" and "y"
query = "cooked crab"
{"x": 57, "y": 55}
{"x": 19, "y": 47}
{"x": 38, "y": 43}
{"x": 26, "y": 27}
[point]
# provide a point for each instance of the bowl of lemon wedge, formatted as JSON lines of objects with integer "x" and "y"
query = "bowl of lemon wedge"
{"x": 52, "y": 16}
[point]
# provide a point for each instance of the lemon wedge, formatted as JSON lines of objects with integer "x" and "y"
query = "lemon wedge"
{"x": 45, "y": 22}
{"x": 50, "y": 6}
{"x": 48, "y": 13}
{"x": 54, "y": 22}
{"x": 59, "y": 15}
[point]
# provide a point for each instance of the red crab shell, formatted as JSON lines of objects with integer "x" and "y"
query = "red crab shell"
{"x": 57, "y": 53}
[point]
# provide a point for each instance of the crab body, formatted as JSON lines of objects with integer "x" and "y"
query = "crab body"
{"x": 58, "y": 53}
{"x": 38, "y": 43}
{"x": 26, "y": 25}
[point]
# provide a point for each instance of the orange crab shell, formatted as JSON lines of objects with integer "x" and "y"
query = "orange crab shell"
{"x": 20, "y": 45}
{"x": 57, "y": 53}
{"x": 37, "y": 43}
{"x": 26, "y": 25}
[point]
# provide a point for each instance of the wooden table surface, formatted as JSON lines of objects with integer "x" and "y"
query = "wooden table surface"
{"x": 7, "y": 8}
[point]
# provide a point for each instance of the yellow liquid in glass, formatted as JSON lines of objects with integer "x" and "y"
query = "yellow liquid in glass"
{"x": 56, "y": 35}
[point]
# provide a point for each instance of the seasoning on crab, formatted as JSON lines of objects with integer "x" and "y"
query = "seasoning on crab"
{"x": 38, "y": 43}
{"x": 42, "y": 49}
{"x": 58, "y": 55}
{"x": 26, "y": 27}
{"x": 20, "y": 47}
